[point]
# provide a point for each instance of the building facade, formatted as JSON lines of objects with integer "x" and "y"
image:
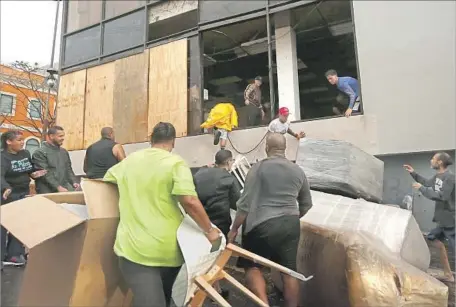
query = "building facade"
{"x": 131, "y": 64}
{"x": 23, "y": 98}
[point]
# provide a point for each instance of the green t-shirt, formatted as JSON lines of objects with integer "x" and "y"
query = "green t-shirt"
{"x": 149, "y": 181}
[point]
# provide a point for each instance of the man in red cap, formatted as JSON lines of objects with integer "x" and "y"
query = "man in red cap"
{"x": 282, "y": 125}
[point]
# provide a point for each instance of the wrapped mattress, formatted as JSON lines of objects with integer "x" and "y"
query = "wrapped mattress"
{"x": 355, "y": 269}
{"x": 338, "y": 167}
{"x": 396, "y": 228}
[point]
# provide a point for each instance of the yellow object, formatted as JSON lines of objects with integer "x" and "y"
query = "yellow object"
{"x": 222, "y": 116}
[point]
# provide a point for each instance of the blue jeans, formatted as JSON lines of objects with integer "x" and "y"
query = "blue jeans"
{"x": 10, "y": 245}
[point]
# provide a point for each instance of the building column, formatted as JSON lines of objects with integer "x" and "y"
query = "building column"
{"x": 287, "y": 64}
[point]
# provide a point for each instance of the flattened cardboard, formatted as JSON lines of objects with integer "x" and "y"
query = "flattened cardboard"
{"x": 36, "y": 219}
{"x": 71, "y": 258}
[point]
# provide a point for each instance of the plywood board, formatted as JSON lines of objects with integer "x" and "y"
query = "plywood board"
{"x": 99, "y": 101}
{"x": 130, "y": 104}
{"x": 168, "y": 86}
{"x": 70, "y": 108}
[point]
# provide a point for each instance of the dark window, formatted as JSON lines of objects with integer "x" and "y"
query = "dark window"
{"x": 124, "y": 33}
{"x": 35, "y": 109}
{"x": 31, "y": 145}
{"x": 172, "y": 25}
{"x": 6, "y": 104}
{"x": 82, "y": 46}
{"x": 213, "y": 10}
{"x": 195, "y": 103}
{"x": 115, "y": 8}
{"x": 82, "y": 14}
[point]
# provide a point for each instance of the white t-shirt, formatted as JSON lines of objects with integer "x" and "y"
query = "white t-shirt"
{"x": 277, "y": 126}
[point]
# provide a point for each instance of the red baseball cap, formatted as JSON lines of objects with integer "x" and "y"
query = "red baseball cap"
{"x": 284, "y": 111}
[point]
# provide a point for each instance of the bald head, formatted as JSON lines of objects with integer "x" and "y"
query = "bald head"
{"x": 107, "y": 133}
{"x": 276, "y": 144}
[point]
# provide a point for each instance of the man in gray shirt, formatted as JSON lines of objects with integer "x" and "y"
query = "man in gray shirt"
{"x": 441, "y": 189}
{"x": 270, "y": 216}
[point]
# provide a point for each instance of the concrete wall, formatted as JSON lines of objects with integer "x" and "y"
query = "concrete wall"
{"x": 406, "y": 56}
{"x": 199, "y": 150}
{"x": 398, "y": 183}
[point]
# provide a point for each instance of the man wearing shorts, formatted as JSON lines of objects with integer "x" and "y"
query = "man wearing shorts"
{"x": 270, "y": 217}
{"x": 350, "y": 87}
{"x": 441, "y": 189}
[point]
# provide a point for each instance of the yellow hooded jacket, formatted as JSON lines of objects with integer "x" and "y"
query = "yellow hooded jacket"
{"x": 222, "y": 116}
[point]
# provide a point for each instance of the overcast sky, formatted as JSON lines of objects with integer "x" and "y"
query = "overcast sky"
{"x": 26, "y": 31}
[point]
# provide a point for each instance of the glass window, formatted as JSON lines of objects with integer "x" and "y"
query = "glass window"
{"x": 82, "y": 46}
{"x": 124, "y": 33}
{"x": 35, "y": 109}
{"x": 195, "y": 103}
{"x": 212, "y": 10}
{"x": 82, "y": 14}
{"x": 31, "y": 145}
{"x": 115, "y": 8}
{"x": 6, "y": 105}
{"x": 172, "y": 17}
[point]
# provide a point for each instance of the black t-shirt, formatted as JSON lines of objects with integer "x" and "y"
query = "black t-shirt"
{"x": 99, "y": 158}
{"x": 15, "y": 170}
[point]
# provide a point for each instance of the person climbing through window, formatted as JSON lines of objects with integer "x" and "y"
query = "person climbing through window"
{"x": 222, "y": 119}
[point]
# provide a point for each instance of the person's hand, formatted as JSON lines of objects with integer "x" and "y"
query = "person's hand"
{"x": 61, "y": 189}
{"x": 348, "y": 113}
{"x": 76, "y": 185}
{"x": 38, "y": 174}
{"x": 417, "y": 185}
{"x": 301, "y": 135}
{"x": 408, "y": 168}
{"x": 213, "y": 235}
{"x": 247, "y": 102}
{"x": 232, "y": 235}
{"x": 6, "y": 193}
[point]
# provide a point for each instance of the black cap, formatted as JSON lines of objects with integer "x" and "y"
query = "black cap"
{"x": 222, "y": 156}
{"x": 259, "y": 78}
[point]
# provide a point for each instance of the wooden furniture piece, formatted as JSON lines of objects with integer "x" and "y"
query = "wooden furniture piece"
{"x": 217, "y": 272}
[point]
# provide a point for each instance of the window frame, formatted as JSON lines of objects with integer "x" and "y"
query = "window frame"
{"x": 31, "y": 138}
{"x": 13, "y": 104}
{"x": 29, "y": 111}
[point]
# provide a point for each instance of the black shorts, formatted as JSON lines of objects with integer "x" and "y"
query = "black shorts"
{"x": 276, "y": 239}
{"x": 442, "y": 233}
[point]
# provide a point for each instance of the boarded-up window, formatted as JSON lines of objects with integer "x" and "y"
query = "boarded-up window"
{"x": 123, "y": 33}
{"x": 82, "y": 14}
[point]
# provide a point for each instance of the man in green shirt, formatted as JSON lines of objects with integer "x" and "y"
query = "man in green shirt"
{"x": 151, "y": 182}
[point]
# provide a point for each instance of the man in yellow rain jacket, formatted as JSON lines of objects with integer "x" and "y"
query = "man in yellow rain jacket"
{"x": 222, "y": 118}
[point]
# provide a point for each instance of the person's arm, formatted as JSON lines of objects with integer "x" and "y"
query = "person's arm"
{"x": 69, "y": 169}
{"x": 304, "y": 198}
{"x": 184, "y": 190}
{"x": 235, "y": 193}
{"x": 119, "y": 152}
{"x": 445, "y": 194}
{"x": 39, "y": 160}
{"x": 5, "y": 167}
{"x": 427, "y": 182}
{"x": 248, "y": 93}
{"x": 85, "y": 167}
{"x": 351, "y": 94}
{"x": 292, "y": 133}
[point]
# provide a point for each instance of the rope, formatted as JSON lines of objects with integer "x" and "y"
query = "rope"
{"x": 247, "y": 152}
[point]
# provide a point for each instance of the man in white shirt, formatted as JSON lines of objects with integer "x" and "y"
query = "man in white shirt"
{"x": 282, "y": 125}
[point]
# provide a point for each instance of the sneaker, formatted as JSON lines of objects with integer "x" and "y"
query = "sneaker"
{"x": 217, "y": 135}
{"x": 15, "y": 261}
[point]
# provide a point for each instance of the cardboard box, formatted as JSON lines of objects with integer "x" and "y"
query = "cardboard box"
{"x": 70, "y": 237}
{"x": 338, "y": 167}
{"x": 355, "y": 269}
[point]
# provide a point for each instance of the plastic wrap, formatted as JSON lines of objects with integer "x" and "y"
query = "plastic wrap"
{"x": 338, "y": 167}
{"x": 355, "y": 269}
{"x": 396, "y": 228}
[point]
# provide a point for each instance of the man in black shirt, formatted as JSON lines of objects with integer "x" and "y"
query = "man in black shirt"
{"x": 102, "y": 155}
{"x": 218, "y": 190}
{"x": 441, "y": 189}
